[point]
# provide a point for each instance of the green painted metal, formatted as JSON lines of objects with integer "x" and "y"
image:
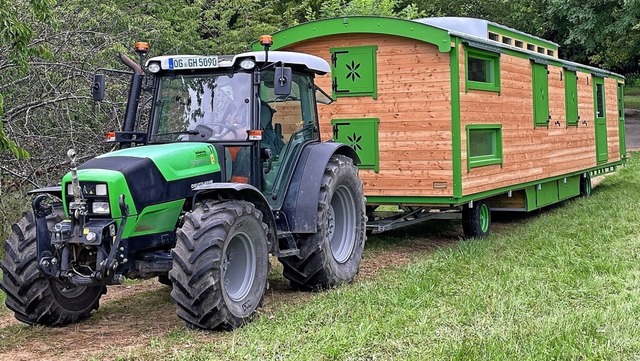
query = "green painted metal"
{"x": 176, "y": 160}
{"x": 354, "y": 71}
{"x": 540, "y": 94}
{"x": 571, "y": 97}
{"x": 546, "y": 193}
{"x": 523, "y": 37}
{"x": 484, "y": 145}
{"x": 456, "y": 141}
{"x": 491, "y": 73}
{"x": 116, "y": 185}
{"x": 621, "y": 129}
{"x": 361, "y": 24}
{"x": 361, "y": 134}
{"x": 484, "y": 217}
{"x": 600, "y": 116}
{"x": 568, "y": 187}
{"x": 529, "y": 188}
{"x": 157, "y": 218}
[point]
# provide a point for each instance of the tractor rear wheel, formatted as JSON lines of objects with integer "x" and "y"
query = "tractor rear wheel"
{"x": 331, "y": 256}
{"x": 34, "y": 297}
{"x": 220, "y": 265}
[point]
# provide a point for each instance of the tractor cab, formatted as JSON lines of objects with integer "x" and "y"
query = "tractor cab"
{"x": 253, "y": 109}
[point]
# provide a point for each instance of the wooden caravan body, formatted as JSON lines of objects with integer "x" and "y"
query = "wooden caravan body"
{"x": 447, "y": 111}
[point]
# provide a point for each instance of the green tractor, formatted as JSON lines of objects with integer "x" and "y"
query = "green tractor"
{"x": 229, "y": 169}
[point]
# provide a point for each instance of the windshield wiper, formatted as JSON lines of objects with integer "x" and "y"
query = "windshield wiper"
{"x": 190, "y": 132}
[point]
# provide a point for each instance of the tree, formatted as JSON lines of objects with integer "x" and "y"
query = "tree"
{"x": 16, "y": 35}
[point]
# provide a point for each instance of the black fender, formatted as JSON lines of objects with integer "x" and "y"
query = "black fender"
{"x": 245, "y": 192}
{"x": 300, "y": 204}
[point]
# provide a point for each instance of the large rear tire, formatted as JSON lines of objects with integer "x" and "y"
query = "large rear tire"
{"x": 34, "y": 297}
{"x": 220, "y": 265}
{"x": 331, "y": 256}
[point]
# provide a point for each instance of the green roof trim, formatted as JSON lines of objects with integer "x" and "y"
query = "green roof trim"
{"x": 361, "y": 24}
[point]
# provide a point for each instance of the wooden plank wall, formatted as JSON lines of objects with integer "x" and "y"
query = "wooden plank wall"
{"x": 611, "y": 102}
{"x": 532, "y": 153}
{"x": 414, "y": 108}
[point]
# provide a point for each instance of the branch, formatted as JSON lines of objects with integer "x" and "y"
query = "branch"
{"x": 11, "y": 114}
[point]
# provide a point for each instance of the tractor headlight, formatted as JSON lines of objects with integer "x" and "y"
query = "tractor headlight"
{"x": 100, "y": 208}
{"x": 101, "y": 189}
{"x": 154, "y": 67}
{"x": 247, "y": 64}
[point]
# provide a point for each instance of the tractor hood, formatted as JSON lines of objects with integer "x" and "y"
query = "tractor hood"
{"x": 153, "y": 174}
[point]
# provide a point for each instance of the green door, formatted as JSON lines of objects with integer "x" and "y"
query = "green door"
{"x": 621, "y": 131}
{"x": 602, "y": 154}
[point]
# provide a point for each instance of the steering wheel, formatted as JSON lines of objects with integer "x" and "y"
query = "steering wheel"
{"x": 216, "y": 130}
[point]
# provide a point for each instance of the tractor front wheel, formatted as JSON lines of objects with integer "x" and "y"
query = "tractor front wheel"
{"x": 34, "y": 297}
{"x": 332, "y": 255}
{"x": 220, "y": 265}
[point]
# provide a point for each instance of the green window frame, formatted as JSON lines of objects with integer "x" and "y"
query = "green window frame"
{"x": 484, "y": 145}
{"x": 571, "y": 97}
{"x": 599, "y": 96}
{"x": 354, "y": 71}
{"x": 540, "y": 75}
{"x": 482, "y": 70}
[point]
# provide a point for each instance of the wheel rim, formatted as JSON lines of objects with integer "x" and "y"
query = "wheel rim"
{"x": 484, "y": 218}
{"x": 239, "y": 266}
{"x": 342, "y": 224}
{"x": 70, "y": 292}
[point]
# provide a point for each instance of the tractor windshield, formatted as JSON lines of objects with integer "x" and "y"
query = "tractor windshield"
{"x": 202, "y": 108}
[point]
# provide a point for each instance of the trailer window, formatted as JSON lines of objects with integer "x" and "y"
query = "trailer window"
{"x": 483, "y": 70}
{"x": 484, "y": 145}
{"x": 599, "y": 100}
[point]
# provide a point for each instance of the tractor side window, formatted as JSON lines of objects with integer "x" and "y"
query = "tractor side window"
{"x": 287, "y": 123}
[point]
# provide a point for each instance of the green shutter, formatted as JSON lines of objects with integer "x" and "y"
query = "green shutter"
{"x": 361, "y": 135}
{"x": 571, "y": 97}
{"x": 354, "y": 71}
{"x": 540, "y": 94}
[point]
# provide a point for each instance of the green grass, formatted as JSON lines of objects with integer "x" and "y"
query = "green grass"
{"x": 564, "y": 284}
{"x": 632, "y": 98}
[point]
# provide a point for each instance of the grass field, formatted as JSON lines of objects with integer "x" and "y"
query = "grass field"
{"x": 564, "y": 284}
{"x": 632, "y": 98}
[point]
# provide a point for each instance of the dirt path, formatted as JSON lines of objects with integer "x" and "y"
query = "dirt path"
{"x": 130, "y": 316}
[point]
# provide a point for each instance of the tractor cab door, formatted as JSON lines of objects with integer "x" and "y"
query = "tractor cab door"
{"x": 288, "y": 122}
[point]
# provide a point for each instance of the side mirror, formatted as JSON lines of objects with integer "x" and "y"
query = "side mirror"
{"x": 97, "y": 90}
{"x": 282, "y": 81}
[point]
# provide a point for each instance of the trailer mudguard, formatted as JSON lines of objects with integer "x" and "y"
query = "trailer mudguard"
{"x": 300, "y": 204}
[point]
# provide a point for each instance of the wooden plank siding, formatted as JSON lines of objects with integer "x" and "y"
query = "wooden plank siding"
{"x": 532, "y": 153}
{"x": 414, "y": 108}
{"x": 613, "y": 133}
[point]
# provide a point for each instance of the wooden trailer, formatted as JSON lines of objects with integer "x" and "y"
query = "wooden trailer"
{"x": 462, "y": 114}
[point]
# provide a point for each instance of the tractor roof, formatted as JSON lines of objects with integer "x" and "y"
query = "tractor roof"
{"x": 310, "y": 62}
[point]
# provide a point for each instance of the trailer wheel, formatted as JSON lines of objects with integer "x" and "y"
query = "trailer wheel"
{"x": 220, "y": 265}
{"x": 585, "y": 185}
{"x": 476, "y": 220}
{"x": 332, "y": 255}
{"x": 34, "y": 297}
